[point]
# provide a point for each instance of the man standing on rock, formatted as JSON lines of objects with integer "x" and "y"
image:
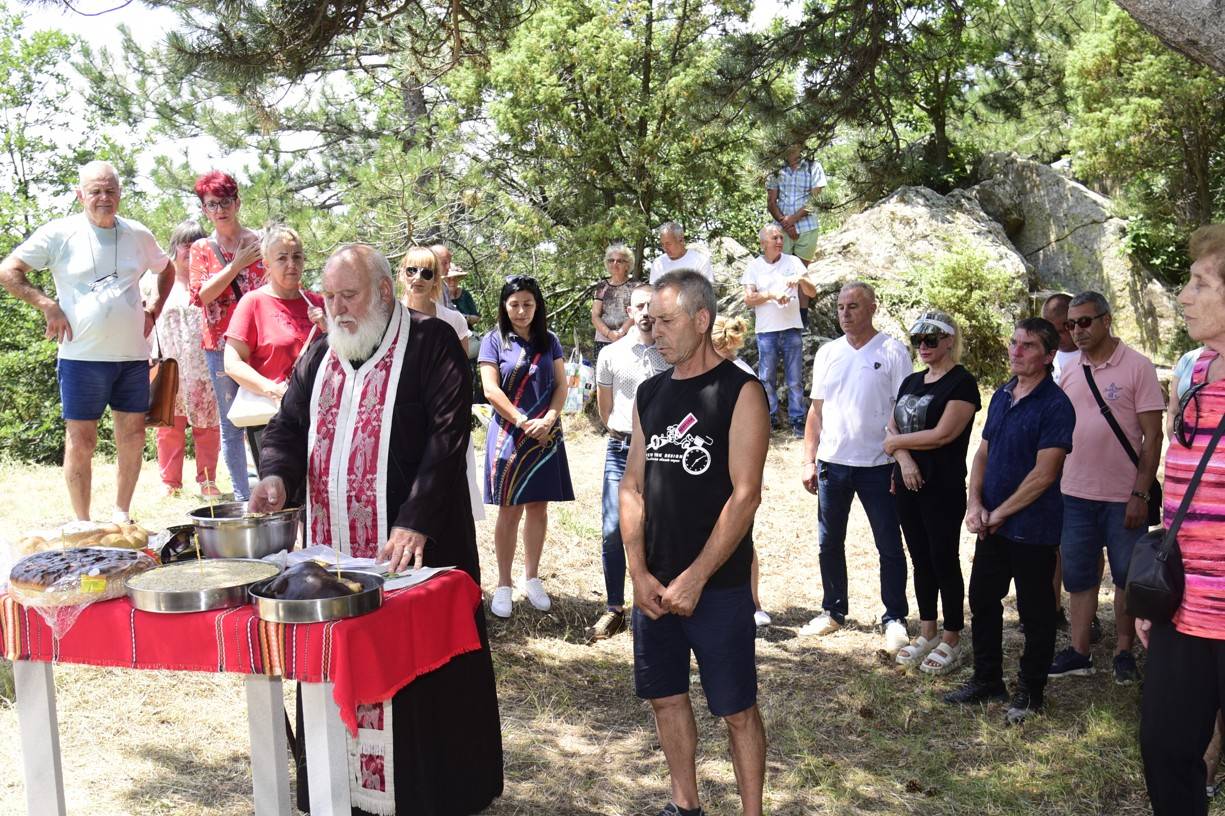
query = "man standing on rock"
{"x": 789, "y": 194}
{"x": 1014, "y": 507}
{"x": 96, "y": 259}
{"x": 773, "y": 282}
{"x": 855, "y": 381}
{"x": 691, "y": 488}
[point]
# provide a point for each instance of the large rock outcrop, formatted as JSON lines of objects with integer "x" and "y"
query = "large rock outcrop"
{"x": 1073, "y": 241}
{"x": 1194, "y": 28}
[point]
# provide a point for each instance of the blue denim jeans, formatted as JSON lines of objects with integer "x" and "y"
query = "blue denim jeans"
{"x": 791, "y": 344}
{"x": 233, "y": 440}
{"x": 837, "y": 486}
{"x": 614, "y": 550}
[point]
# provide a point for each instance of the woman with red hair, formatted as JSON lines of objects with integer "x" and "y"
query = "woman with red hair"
{"x": 224, "y": 267}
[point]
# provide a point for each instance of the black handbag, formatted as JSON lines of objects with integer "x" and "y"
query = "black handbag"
{"x": 1154, "y": 491}
{"x": 1155, "y": 577}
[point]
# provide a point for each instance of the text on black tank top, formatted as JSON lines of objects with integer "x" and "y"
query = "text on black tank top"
{"x": 685, "y": 425}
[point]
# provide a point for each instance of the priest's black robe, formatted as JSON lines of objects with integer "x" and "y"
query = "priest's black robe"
{"x": 447, "y": 734}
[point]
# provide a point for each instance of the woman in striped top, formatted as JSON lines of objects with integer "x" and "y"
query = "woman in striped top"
{"x": 1186, "y": 659}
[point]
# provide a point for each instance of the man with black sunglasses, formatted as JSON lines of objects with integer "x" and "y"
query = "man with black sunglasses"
{"x": 1107, "y": 478}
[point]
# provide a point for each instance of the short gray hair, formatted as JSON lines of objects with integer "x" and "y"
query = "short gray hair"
{"x": 374, "y": 262}
{"x": 95, "y": 168}
{"x": 858, "y": 284}
{"x": 1096, "y": 298}
{"x": 672, "y": 228}
{"x": 769, "y": 227}
{"x": 693, "y": 292}
{"x": 278, "y": 232}
{"x": 618, "y": 248}
{"x": 185, "y": 234}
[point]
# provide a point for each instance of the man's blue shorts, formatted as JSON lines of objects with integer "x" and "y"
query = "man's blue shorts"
{"x": 720, "y": 633}
{"x": 1088, "y": 526}
{"x": 88, "y": 386}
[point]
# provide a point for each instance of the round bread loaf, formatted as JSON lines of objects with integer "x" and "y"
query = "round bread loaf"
{"x": 75, "y": 576}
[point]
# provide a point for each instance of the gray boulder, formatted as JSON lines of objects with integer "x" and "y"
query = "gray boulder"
{"x": 1069, "y": 235}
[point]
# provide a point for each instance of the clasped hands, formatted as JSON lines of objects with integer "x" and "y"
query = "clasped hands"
{"x": 982, "y": 522}
{"x": 677, "y": 598}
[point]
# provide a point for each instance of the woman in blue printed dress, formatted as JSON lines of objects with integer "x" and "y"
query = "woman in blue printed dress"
{"x": 524, "y": 377}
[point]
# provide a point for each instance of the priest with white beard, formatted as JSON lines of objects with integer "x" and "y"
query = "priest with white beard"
{"x": 372, "y": 435}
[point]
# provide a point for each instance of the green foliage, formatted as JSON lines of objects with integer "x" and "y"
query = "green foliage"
{"x": 1153, "y": 123}
{"x": 963, "y": 282}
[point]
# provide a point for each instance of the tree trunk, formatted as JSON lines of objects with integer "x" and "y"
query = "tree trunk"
{"x": 1194, "y": 28}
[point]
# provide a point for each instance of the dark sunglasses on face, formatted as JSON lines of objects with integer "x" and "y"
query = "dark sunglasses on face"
{"x": 426, "y": 274}
{"x": 927, "y": 340}
{"x": 1082, "y": 322}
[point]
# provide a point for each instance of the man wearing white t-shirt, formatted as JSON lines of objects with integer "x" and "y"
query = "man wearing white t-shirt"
{"x": 855, "y": 381}
{"x": 677, "y": 256}
{"x": 96, "y": 260}
{"x": 1055, "y": 310}
{"x": 772, "y": 285}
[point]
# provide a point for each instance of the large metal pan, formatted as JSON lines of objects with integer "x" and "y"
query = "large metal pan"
{"x": 280, "y": 610}
{"x": 195, "y": 600}
{"x": 227, "y": 530}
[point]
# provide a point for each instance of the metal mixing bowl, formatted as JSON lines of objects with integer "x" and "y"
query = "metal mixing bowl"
{"x": 226, "y": 530}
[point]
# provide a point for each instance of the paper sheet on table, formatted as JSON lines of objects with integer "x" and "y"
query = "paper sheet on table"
{"x": 328, "y": 556}
{"x": 414, "y": 577}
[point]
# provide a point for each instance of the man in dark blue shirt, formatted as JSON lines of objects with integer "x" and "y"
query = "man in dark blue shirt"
{"x": 1015, "y": 508}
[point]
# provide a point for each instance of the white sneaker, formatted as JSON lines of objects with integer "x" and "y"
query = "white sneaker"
{"x": 536, "y": 596}
{"x": 761, "y": 617}
{"x": 822, "y": 624}
{"x": 501, "y": 604}
{"x": 896, "y": 636}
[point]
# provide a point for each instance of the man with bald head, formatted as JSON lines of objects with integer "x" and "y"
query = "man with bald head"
{"x": 373, "y": 434}
{"x": 96, "y": 259}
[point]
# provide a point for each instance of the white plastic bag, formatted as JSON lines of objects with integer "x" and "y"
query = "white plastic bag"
{"x": 251, "y": 409}
{"x": 580, "y": 378}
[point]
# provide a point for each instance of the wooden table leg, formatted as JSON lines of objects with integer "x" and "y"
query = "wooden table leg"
{"x": 40, "y": 737}
{"x": 269, "y": 748}
{"x": 327, "y": 753}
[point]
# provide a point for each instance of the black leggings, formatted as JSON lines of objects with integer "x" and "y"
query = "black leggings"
{"x": 1183, "y": 688}
{"x": 931, "y": 521}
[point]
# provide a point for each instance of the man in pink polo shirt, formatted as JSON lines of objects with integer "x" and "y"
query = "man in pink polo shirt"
{"x": 1105, "y": 485}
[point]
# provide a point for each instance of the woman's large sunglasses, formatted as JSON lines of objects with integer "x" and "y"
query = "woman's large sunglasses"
{"x": 1184, "y": 433}
{"x": 425, "y": 273}
{"x": 927, "y": 340}
{"x": 525, "y": 280}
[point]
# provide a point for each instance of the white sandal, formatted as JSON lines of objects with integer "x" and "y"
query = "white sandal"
{"x": 943, "y": 659}
{"x": 913, "y": 653}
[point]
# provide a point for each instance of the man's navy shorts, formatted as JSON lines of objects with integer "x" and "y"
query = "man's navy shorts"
{"x": 88, "y": 386}
{"x": 721, "y": 635}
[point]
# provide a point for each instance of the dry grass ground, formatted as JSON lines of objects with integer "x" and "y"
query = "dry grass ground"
{"x": 849, "y": 732}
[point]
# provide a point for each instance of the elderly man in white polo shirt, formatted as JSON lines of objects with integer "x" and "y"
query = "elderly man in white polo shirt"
{"x": 96, "y": 259}
{"x": 677, "y": 255}
{"x": 855, "y": 381}
{"x": 772, "y": 286}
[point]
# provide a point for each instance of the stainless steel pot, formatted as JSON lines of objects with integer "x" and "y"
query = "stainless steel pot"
{"x": 194, "y": 600}
{"x": 227, "y": 530}
{"x": 281, "y": 610}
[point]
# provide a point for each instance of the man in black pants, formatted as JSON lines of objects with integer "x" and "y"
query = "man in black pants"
{"x": 688, "y": 498}
{"x": 1015, "y": 508}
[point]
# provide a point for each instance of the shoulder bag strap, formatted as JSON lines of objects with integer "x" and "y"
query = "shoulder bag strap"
{"x": 1109, "y": 416}
{"x": 221, "y": 259}
{"x": 1167, "y": 544}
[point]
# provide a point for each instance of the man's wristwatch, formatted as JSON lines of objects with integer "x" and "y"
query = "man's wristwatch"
{"x": 1140, "y": 494}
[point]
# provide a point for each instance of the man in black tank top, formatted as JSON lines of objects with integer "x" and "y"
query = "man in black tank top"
{"x": 687, "y": 503}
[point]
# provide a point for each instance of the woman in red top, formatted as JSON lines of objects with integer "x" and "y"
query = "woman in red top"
{"x": 224, "y": 267}
{"x": 271, "y": 325}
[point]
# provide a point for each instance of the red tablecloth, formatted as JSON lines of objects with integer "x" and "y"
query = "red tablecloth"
{"x": 368, "y": 658}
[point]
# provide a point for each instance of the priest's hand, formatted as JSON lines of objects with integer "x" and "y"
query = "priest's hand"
{"x": 267, "y": 496}
{"x": 404, "y": 549}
